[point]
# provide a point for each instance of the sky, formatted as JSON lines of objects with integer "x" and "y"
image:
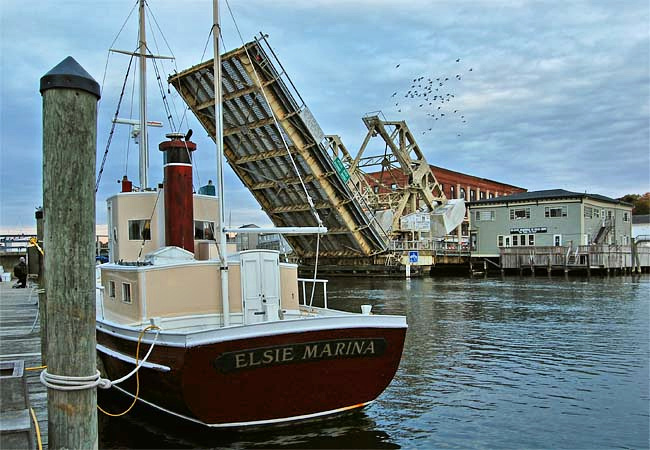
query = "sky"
{"x": 552, "y": 94}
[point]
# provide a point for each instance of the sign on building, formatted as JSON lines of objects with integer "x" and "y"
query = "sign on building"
{"x": 413, "y": 256}
{"x": 529, "y": 230}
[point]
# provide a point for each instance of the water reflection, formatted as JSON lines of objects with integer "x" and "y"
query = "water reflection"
{"x": 507, "y": 363}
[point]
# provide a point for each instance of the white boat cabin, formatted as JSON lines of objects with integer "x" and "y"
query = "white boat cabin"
{"x": 148, "y": 282}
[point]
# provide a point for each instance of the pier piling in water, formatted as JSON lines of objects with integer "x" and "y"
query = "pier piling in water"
{"x": 70, "y": 98}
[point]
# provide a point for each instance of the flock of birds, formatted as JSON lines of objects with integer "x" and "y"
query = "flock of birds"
{"x": 435, "y": 96}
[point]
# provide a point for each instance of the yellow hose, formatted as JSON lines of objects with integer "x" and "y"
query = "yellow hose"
{"x": 137, "y": 377}
{"x": 38, "y": 429}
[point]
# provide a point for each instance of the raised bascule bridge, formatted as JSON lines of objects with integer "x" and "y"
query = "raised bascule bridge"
{"x": 269, "y": 133}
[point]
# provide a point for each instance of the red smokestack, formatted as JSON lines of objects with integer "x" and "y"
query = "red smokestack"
{"x": 179, "y": 212}
{"x": 127, "y": 185}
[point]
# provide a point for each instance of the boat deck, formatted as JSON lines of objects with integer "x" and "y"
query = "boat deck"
{"x": 20, "y": 339}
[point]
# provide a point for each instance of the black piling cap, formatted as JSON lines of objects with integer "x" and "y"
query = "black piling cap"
{"x": 68, "y": 74}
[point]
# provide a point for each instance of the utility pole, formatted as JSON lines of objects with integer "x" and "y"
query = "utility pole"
{"x": 70, "y": 98}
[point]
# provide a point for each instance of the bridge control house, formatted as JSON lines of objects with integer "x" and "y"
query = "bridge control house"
{"x": 548, "y": 218}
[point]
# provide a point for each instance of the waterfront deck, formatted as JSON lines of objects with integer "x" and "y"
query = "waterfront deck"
{"x": 20, "y": 340}
{"x": 583, "y": 257}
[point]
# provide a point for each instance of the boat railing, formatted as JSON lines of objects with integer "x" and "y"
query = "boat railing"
{"x": 307, "y": 299}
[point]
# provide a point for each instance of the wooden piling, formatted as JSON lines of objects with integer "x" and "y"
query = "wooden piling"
{"x": 70, "y": 98}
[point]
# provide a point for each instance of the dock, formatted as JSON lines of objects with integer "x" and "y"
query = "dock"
{"x": 20, "y": 340}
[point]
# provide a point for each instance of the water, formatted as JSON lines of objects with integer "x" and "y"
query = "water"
{"x": 488, "y": 363}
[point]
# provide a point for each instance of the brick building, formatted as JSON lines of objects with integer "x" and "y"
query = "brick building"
{"x": 454, "y": 185}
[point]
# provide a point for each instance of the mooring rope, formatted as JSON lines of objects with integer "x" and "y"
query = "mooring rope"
{"x": 70, "y": 383}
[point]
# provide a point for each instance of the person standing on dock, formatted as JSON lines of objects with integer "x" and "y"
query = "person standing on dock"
{"x": 20, "y": 272}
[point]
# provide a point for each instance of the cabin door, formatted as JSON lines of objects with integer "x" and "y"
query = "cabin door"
{"x": 260, "y": 282}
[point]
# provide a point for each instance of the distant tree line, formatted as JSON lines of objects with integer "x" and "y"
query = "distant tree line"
{"x": 641, "y": 203}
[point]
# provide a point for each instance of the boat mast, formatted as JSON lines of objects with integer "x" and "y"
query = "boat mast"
{"x": 144, "y": 152}
{"x": 218, "y": 117}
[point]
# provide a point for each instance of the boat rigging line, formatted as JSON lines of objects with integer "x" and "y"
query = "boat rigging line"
{"x": 310, "y": 201}
{"x": 110, "y": 135}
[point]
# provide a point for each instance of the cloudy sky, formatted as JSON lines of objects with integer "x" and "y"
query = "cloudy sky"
{"x": 558, "y": 95}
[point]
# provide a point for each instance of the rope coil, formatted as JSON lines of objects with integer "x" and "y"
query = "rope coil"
{"x": 70, "y": 383}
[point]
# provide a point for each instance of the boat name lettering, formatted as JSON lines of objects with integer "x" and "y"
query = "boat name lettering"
{"x": 296, "y": 353}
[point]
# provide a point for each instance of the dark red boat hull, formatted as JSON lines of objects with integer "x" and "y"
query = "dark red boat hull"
{"x": 265, "y": 379}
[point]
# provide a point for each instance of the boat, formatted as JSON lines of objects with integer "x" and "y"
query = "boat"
{"x": 229, "y": 339}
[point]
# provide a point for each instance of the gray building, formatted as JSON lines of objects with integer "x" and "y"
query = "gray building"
{"x": 547, "y": 218}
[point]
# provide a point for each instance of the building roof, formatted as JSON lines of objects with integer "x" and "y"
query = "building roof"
{"x": 475, "y": 177}
{"x": 641, "y": 219}
{"x": 548, "y": 194}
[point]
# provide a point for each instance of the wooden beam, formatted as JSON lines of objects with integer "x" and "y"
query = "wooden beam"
{"x": 299, "y": 207}
{"x": 248, "y": 126}
{"x": 268, "y": 154}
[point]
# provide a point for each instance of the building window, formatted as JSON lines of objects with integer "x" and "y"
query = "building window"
{"x": 452, "y": 190}
{"x": 111, "y": 289}
{"x": 462, "y": 193}
{"x": 531, "y": 239}
{"x": 499, "y": 241}
{"x": 393, "y": 186}
{"x": 588, "y": 212}
{"x": 126, "y": 292}
{"x": 515, "y": 240}
{"x": 626, "y": 216}
{"x": 485, "y": 215}
{"x": 375, "y": 189}
{"x": 482, "y": 195}
{"x": 140, "y": 230}
{"x": 555, "y": 211}
{"x": 491, "y": 195}
{"x": 596, "y": 213}
{"x": 472, "y": 195}
{"x": 557, "y": 240}
{"x": 203, "y": 230}
{"x": 520, "y": 213}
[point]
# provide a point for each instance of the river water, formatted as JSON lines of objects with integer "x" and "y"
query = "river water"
{"x": 488, "y": 363}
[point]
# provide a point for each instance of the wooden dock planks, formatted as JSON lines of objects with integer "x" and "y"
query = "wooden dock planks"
{"x": 18, "y": 341}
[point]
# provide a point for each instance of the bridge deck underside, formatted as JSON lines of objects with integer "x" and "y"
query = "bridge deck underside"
{"x": 254, "y": 148}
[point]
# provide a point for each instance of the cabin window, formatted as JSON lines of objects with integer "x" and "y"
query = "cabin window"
{"x": 126, "y": 292}
{"x": 520, "y": 213}
{"x": 111, "y": 289}
{"x": 555, "y": 211}
{"x": 589, "y": 212}
{"x": 140, "y": 230}
{"x": 500, "y": 241}
{"x": 531, "y": 239}
{"x": 203, "y": 229}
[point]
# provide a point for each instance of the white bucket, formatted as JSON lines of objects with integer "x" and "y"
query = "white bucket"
{"x": 6, "y": 277}
{"x": 365, "y": 309}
